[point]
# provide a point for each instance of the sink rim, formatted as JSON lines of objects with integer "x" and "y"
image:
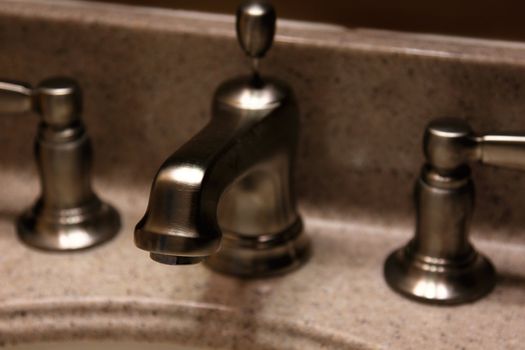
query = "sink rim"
{"x": 142, "y": 319}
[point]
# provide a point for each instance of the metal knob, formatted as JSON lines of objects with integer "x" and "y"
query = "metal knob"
{"x": 68, "y": 215}
{"x": 58, "y": 101}
{"x": 255, "y": 29}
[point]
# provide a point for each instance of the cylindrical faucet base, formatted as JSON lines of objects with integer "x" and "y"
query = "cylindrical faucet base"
{"x": 440, "y": 265}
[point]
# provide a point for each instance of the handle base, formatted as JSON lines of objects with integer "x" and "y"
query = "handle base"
{"x": 439, "y": 281}
{"x": 68, "y": 229}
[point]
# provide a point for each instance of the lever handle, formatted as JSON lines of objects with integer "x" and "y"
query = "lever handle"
{"x": 450, "y": 142}
{"x": 505, "y": 150}
{"x": 57, "y": 100}
{"x": 15, "y": 97}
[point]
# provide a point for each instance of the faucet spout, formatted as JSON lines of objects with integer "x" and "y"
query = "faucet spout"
{"x": 226, "y": 195}
{"x": 230, "y": 184}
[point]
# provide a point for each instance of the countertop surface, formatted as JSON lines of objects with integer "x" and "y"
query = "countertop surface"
{"x": 338, "y": 300}
{"x": 365, "y": 97}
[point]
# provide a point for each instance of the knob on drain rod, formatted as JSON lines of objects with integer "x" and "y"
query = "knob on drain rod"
{"x": 255, "y": 30}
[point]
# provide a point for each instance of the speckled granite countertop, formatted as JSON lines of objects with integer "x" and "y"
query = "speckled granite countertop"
{"x": 138, "y": 69}
{"x": 338, "y": 300}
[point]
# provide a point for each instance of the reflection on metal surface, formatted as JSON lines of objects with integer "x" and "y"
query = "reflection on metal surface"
{"x": 229, "y": 187}
{"x": 430, "y": 290}
{"x": 74, "y": 238}
{"x": 439, "y": 264}
{"x": 68, "y": 215}
{"x": 190, "y": 175}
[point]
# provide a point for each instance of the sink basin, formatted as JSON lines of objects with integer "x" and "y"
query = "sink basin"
{"x": 100, "y": 345}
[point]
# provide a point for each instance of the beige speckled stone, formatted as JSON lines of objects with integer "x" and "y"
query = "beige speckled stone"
{"x": 148, "y": 77}
{"x": 339, "y": 300}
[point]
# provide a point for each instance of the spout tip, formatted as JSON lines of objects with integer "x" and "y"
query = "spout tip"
{"x": 172, "y": 247}
{"x": 175, "y": 260}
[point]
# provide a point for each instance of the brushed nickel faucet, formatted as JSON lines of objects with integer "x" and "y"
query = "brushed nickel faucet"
{"x": 226, "y": 196}
{"x": 440, "y": 265}
{"x": 68, "y": 215}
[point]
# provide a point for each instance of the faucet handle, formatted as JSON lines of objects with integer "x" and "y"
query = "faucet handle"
{"x": 440, "y": 265}
{"x": 68, "y": 214}
{"x": 57, "y": 100}
{"x": 15, "y": 97}
{"x": 450, "y": 143}
{"x": 503, "y": 149}
{"x": 255, "y": 28}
